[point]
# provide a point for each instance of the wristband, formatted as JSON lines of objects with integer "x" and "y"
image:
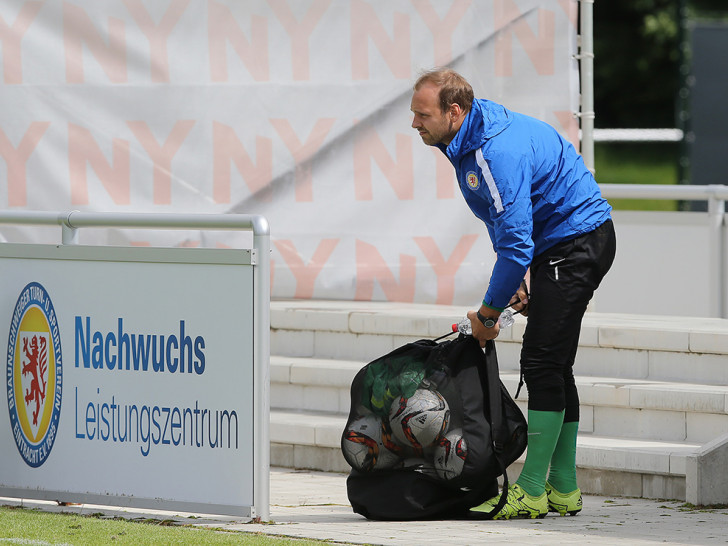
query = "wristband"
{"x": 499, "y": 309}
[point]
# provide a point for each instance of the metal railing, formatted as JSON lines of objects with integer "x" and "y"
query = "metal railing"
{"x": 638, "y": 135}
{"x": 70, "y": 222}
{"x": 713, "y": 192}
{"x": 716, "y": 195}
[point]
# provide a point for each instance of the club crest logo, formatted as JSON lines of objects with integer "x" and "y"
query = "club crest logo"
{"x": 34, "y": 374}
{"x": 473, "y": 181}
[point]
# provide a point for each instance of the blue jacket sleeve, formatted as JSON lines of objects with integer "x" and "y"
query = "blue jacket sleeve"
{"x": 512, "y": 225}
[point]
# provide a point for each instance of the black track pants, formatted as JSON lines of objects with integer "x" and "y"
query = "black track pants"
{"x": 563, "y": 280}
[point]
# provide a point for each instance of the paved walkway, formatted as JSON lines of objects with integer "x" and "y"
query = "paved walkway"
{"x": 314, "y": 505}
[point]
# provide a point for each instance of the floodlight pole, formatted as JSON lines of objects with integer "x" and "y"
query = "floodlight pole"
{"x": 586, "y": 71}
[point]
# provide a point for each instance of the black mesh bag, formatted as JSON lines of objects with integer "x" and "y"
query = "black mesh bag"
{"x": 430, "y": 430}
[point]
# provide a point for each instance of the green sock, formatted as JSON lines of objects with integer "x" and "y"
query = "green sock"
{"x": 544, "y": 428}
{"x": 563, "y": 462}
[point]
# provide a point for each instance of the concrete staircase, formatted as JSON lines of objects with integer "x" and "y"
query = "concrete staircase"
{"x": 654, "y": 394}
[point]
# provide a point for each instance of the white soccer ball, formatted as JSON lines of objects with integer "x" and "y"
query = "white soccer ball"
{"x": 450, "y": 454}
{"x": 420, "y": 420}
{"x": 363, "y": 448}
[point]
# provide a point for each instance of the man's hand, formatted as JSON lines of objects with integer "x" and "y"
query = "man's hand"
{"x": 480, "y": 332}
{"x": 519, "y": 301}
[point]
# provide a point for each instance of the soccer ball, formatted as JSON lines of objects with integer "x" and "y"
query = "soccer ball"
{"x": 420, "y": 420}
{"x": 363, "y": 448}
{"x": 450, "y": 454}
{"x": 389, "y": 442}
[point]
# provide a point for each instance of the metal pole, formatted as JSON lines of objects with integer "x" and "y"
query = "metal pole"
{"x": 716, "y": 213}
{"x": 69, "y": 234}
{"x": 586, "y": 66}
{"x": 666, "y": 191}
{"x": 261, "y": 367}
{"x": 70, "y": 222}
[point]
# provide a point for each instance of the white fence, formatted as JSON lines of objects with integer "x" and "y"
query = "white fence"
{"x": 668, "y": 263}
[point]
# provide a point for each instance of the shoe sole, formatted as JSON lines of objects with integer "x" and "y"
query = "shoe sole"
{"x": 563, "y": 510}
{"x": 486, "y": 516}
{"x": 524, "y": 516}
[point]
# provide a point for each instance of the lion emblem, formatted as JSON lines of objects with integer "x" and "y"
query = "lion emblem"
{"x": 36, "y": 365}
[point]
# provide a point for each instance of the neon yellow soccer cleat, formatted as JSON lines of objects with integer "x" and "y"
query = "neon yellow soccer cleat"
{"x": 519, "y": 505}
{"x": 569, "y": 503}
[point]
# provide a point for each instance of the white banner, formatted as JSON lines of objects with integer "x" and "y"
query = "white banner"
{"x": 295, "y": 110}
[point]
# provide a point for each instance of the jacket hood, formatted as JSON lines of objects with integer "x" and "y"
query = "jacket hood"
{"x": 485, "y": 120}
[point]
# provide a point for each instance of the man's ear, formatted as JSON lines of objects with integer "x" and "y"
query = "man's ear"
{"x": 454, "y": 111}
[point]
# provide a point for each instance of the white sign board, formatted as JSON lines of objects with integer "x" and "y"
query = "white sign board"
{"x": 129, "y": 376}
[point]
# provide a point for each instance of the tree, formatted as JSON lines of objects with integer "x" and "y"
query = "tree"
{"x": 637, "y": 64}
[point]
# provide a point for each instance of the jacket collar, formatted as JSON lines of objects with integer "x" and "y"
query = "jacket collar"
{"x": 485, "y": 120}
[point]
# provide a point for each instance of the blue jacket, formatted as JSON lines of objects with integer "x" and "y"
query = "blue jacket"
{"x": 527, "y": 183}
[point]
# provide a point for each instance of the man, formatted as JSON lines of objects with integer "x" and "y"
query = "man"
{"x": 552, "y": 232}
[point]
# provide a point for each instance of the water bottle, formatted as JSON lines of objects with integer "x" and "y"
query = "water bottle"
{"x": 506, "y": 319}
{"x": 465, "y": 326}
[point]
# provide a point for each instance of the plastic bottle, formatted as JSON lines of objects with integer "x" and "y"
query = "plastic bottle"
{"x": 465, "y": 327}
{"x": 506, "y": 318}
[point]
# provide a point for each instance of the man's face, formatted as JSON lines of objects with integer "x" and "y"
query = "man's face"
{"x": 433, "y": 125}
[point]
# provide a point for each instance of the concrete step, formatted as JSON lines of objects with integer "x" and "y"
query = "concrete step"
{"x": 606, "y": 464}
{"x": 631, "y": 408}
{"x": 679, "y": 349}
{"x": 311, "y": 383}
{"x": 654, "y": 401}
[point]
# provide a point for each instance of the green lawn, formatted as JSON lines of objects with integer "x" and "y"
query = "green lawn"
{"x": 638, "y": 163}
{"x": 24, "y": 526}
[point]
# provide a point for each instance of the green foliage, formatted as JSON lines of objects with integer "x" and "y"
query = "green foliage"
{"x": 637, "y": 163}
{"x": 636, "y": 64}
{"x": 637, "y": 58}
{"x": 710, "y": 9}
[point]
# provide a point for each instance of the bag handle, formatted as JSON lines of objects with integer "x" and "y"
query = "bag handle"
{"x": 494, "y": 397}
{"x": 496, "y": 420}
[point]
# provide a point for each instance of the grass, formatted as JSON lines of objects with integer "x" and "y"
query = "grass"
{"x": 638, "y": 163}
{"x": 24, "y": 526}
